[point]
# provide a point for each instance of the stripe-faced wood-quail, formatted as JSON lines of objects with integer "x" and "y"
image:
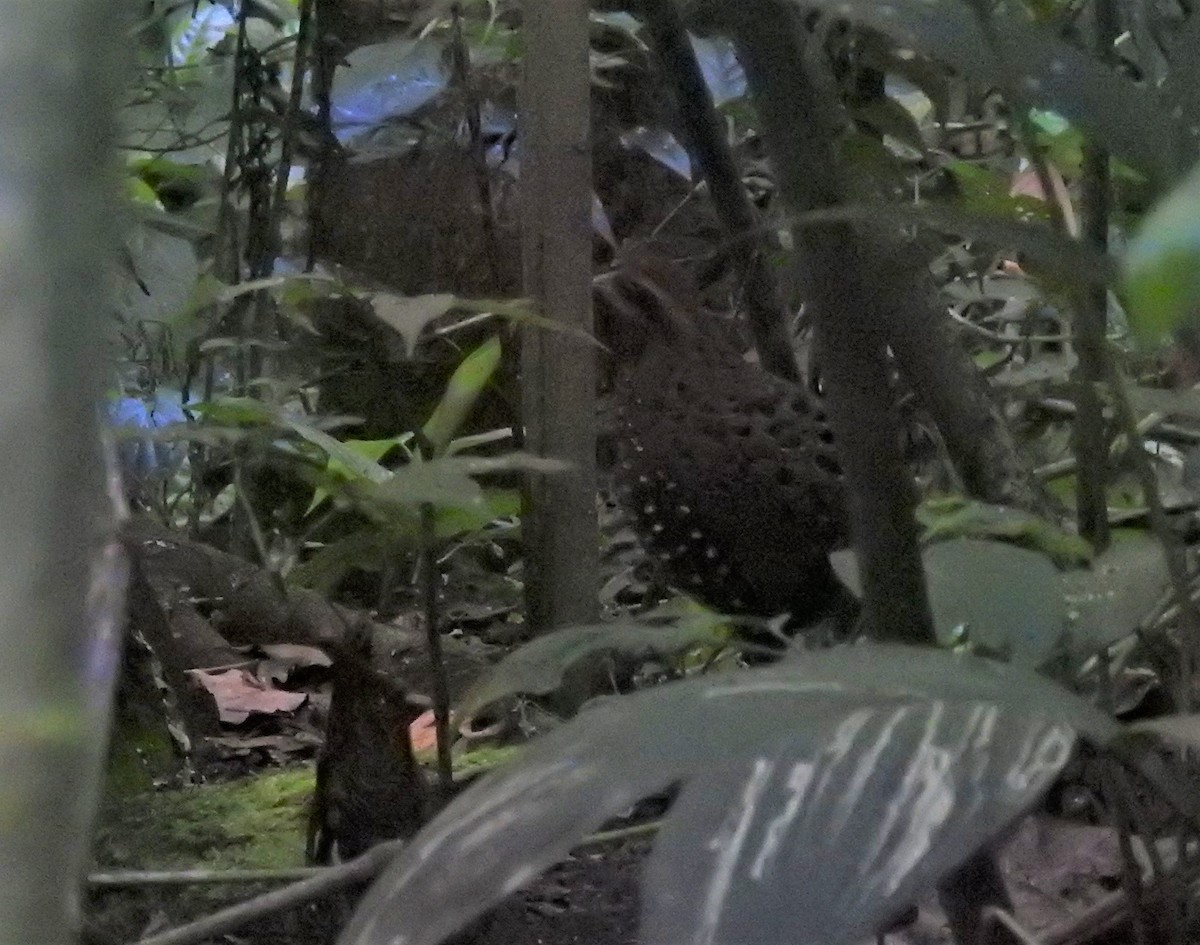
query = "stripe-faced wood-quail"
{"x": 730, "y": 473}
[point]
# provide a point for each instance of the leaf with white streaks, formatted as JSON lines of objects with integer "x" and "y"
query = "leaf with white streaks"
{"x": 818, "y": 796}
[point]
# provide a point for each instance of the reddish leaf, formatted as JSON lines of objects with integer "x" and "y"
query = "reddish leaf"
{"x": 240, "y": 694}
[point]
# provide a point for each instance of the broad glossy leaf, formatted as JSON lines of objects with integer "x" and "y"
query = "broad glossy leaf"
{"x": 236, "y": 410}
{"x": 820, "y": 795}
{"x": 1110, "y": 599}
{"x": 994, "y": 595}
{"x": 825, "y": 841}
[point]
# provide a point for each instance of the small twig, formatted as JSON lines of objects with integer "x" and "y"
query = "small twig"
{"x": 125, "y": 879}
{"x": 1172, "y": 552}
{"x": 441, "y": 688}
{"x": 623, "y": 833}
{"x": 290, "y": 123}
{"x": 995, "y": 336}
{"x": 331, "y": 879}
{"x": 1171, "y": 432}
{"x": 994, "y": 918}
{"x": 253, "y": 526}
{"x": 1120, "y": 445}
{"x": 461, "y": 63}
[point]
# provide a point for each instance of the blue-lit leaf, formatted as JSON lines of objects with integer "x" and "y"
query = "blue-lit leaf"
{"x": 384, "y": 82}
{"x": 661, "y": 145}
{"x": 722, "y": 72}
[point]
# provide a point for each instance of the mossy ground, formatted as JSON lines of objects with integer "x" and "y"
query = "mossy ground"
{"x": 257, "y": 822}
{"x": 253, "y": 823}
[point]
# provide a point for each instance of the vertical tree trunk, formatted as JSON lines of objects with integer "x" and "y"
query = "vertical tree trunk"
{"x": 58, "y": 85}
{"x": 558, "y": 369}
{"x": 801, "y": 125}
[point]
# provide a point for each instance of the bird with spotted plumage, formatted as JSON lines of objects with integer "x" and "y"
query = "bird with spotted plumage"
{"x": 729, "y": 473}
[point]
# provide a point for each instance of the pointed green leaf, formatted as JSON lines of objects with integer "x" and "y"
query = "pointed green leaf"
{"x": 466, "y": 384}
{"x": 366, "y": 464}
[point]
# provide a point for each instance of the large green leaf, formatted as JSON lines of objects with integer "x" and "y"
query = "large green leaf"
{"x": 819, "y": 797}
{"x": 985, "y": 192}
{"x": 448, "y": 481}
{"x": 367, "y": 549}
{"x": 1000, "y": 599}
{"x": 1162, "y": 265}
{"x": 232, "y": 411}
